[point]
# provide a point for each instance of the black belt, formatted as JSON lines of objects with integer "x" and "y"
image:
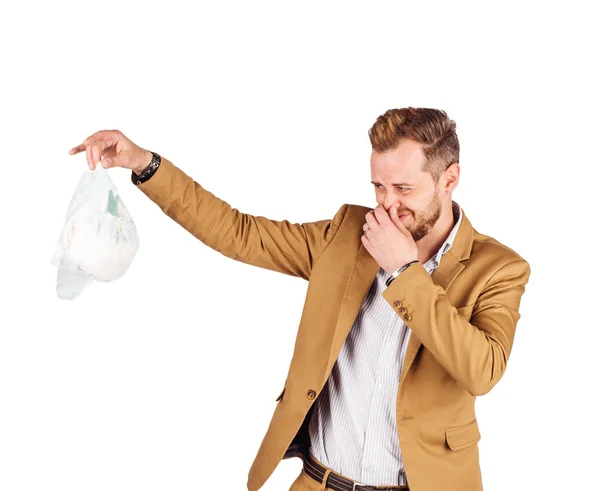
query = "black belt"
{"x": 337, "y": 482}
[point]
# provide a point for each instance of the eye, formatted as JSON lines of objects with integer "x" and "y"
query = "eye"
{"x": 402, "y": 189}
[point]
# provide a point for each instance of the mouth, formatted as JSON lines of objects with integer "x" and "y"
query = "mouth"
{"x": 401, "y": 217}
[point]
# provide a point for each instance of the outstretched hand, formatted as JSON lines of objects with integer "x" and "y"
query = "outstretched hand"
{"x": 112, "y": 148}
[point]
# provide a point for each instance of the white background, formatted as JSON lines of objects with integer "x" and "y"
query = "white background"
{"x": 166, "y": 378}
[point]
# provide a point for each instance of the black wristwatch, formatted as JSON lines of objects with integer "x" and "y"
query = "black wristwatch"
{"x": 148, "y": 172}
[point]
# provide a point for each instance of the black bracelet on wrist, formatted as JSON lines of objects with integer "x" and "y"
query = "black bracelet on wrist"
{"x": 396, "y": 273}
{"x": 148, "y": 172}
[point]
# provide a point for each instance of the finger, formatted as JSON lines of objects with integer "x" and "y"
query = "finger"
{"x": 97, "y": 149}
{"x": 113, "y": 161}
{"x": 381, "y": 215}
{"x": 88, "y": 144}
{"x": 109, "y": 136}
{"x": 370, "y": 220}
{"x": 365, "y": 241}
{"x": 397, "y": 221}
{"x": 394, "y": 215}
{"x": 105, "y": 148}
{"x": 88, "y": 156}
{"x": 374, "y": 213}
{"x": 76, "y": 150}
{"x": 94, "y": 153}
{"x": 99, "y": 135}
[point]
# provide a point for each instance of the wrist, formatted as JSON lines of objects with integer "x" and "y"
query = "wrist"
{"x": 398, "y": 266}
{"x": 397, "y": 273}
{"x": 147, "y": 172}
{"x": 145, "y": 162}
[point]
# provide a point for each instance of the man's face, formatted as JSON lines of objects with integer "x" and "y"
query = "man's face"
{"x": 398, "y": 178}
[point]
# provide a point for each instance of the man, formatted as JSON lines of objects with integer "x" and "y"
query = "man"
{"x": 410, "y": 313}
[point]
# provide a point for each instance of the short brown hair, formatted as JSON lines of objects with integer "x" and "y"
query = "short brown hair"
{"x": 430, "y": 127}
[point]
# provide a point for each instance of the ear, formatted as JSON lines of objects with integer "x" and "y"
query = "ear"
{"x": 450, "y": 178}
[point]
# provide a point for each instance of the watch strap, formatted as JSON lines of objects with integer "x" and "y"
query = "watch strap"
{"x": 148, "y": 172}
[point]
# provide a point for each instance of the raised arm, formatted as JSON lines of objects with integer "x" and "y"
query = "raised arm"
{"x": 289, "y": 248}
{"x": 281, "y": 246}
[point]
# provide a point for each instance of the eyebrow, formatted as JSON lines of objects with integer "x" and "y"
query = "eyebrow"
{"x": 395, "y": 183}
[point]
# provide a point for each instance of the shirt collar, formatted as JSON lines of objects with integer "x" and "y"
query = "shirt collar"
{"x": 457, "y": 213}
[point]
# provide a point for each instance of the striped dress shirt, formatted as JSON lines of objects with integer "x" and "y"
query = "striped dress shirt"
{"x": 353, "y": 428}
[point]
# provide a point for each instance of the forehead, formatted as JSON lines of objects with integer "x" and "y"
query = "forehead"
{"x": 402, "y": 163}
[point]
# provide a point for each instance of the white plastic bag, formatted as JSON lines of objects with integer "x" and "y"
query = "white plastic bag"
{"x": 99, "y": 239}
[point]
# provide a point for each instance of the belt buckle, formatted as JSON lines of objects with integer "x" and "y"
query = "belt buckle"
{"x": 354, "y": 484}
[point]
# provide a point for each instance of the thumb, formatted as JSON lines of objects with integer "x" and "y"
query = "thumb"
{"x": 122, "y": 160}
{"x": 114, "y": 161}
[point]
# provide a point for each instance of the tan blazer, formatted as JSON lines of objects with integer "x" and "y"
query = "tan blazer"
{"x": 462, "y": 317}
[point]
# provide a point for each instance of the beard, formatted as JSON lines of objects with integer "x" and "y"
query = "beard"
{"x": 425, "y": 220}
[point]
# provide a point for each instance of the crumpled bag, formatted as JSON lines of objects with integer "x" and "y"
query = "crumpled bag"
{"x": 99, "y": 239}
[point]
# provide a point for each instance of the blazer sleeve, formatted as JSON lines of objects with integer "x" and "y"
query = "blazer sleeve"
{"x": 474, "y": 353}
{"x": 289, "y": 248}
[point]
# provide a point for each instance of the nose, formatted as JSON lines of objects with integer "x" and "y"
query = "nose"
{"x": 390, "y": 200}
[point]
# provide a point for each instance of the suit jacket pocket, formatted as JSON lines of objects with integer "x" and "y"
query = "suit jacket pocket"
{"x": 463, "y": 436}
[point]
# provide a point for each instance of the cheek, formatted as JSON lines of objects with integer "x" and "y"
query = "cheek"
{"x": 416, "y": 205}
{"x": 411, "y": 205}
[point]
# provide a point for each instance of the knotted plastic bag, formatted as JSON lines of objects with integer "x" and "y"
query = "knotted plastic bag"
{"x": 99, "y": 239}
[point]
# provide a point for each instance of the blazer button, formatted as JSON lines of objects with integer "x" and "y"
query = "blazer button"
{"x": 311, "y": 394}
{"x": 397, "y": 302}
{"x": 407, "y": 317}
{"x": 402, "y": 310}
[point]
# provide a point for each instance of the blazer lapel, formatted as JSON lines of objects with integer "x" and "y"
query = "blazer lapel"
{"x": 449, "y": 268}
{"x": 361, "y": 278}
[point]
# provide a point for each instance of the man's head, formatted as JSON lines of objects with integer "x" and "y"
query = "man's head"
{"x": 415, "y": 163}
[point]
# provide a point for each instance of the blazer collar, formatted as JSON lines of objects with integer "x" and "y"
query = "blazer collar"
{"x": 451, "y": 264}
{"x": 463, "y": 242}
